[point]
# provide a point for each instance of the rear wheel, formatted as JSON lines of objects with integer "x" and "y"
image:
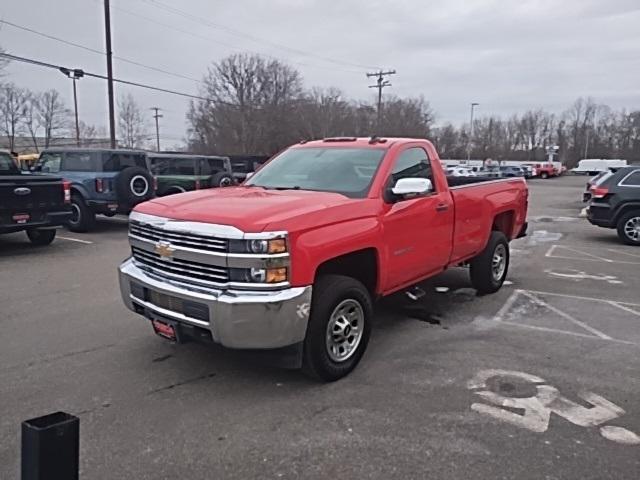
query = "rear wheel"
{"x": 82, "y": 218}
{"x": 629, "y": 228}
{"x": 544, "y": 175}
{"x": 41, "y": 237}
{"x": 489, "y": 269}
{"x": 339, "y": 327}
{"x": 222, "y": 179}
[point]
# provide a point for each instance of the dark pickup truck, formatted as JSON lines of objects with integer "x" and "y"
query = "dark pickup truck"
{"x": 33, "y": 203}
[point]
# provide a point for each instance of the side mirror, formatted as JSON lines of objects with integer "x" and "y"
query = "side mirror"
{"x": 412, "y": 186}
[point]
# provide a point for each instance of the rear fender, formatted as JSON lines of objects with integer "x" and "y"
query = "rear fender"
{"x": 623, "y": 209}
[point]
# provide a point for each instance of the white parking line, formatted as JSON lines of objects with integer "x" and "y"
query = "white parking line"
{"x": 578, "y": 297}
{"x": 86, "y": 242}
{"x": 551, "y": 253}
{"x": 566, "y": 332}
{"x": 626, "y": 309}
{"x": 566, "y": 316}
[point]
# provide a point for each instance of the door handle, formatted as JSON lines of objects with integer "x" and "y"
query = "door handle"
{"x": 442, "y": 207}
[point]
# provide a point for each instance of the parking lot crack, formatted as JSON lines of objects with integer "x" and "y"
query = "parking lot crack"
{"x": 179, "y": 384}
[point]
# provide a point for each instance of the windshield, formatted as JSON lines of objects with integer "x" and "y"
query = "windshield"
{"x": 348, "y": 171}
{"x": 7, "y": 166}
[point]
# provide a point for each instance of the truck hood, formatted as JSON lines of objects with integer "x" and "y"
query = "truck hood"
{"x": 253, "y": 209}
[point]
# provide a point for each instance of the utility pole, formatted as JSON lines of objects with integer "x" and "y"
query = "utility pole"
{"x": 107, "y": 31}
{"x": 74, "y": 75}
{"x": 157, "y": 115}
{"x": 473, "y": 105}
{"x": 380, "y": 84}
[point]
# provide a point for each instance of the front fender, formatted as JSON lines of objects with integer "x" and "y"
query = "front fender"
{"x": 314, "y": 247}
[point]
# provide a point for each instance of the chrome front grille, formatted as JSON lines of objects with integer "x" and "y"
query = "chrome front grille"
{"x": 180, "y": 239}
{"x": 181, "y": 270}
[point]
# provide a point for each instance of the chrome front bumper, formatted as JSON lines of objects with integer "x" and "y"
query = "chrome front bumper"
{"x": 237, "y": 319}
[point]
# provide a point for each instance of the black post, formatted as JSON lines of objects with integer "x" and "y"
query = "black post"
{"x": 51, "y": 447}
{"x": 107, "y": 31}
{"x": 75, "y": 104}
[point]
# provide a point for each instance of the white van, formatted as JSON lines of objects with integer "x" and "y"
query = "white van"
{"x": 593, "y": 166}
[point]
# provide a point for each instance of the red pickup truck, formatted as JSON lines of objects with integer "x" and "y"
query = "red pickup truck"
{"x": 293, "y": 259}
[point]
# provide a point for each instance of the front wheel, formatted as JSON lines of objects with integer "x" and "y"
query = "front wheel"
{"x": 339, "y": 327}
{"x": 544, "y": 175}
{"x": 41, "y": 237}
{"x": 629, "y": 228}
{"x": 489, "y": 269}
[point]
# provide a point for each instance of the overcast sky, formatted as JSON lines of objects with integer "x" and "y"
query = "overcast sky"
{"x": 507, "y": 55}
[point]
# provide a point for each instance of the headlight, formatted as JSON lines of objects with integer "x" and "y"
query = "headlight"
{"x": 258, "y": 275}
{"x": 276, "y": 245}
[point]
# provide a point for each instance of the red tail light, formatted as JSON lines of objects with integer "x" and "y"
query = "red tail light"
{"x": 599, "y": 192}
{"x": 197, "y": 184}
{"x": 67, "y": 191}
{"x": 99, "y": 185}
{"x": 155, "y": 184}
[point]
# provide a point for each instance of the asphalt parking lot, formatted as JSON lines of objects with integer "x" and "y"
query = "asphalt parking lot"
{"x": 540, "y": 380}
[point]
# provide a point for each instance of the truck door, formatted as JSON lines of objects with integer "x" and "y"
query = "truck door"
{"x": 417, "y": 230}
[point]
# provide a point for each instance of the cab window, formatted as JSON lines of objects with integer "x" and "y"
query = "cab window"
{"x": 79, "y": 162}
{"x": 50, "y": 162}
{"x": 412, "y": 163}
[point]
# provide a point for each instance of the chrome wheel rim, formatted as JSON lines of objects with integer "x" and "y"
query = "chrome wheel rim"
{"x": 632, "y": 229}
{"x": 499, "y": 262}
{"x": 75, "y": 213}
{"x": 139, "y": 186}
{"x": 344, "y": 330}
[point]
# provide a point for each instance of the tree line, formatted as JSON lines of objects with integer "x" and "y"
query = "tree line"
{"x": 258, "y": 106}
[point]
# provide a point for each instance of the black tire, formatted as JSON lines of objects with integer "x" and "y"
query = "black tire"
{"x": 222, "y": 179}
{"x": 485, "y": 276}
{"x": 544, "y": 175}
{"x": 133, "y": 185}
{"x": 41, "y": 237}
{"x": 329, "y": 292}
{"x": 625, "y": 222}
{"x": 83, "y": 218}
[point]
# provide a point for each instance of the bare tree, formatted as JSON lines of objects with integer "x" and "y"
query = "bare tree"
{"x": 13, "y": 109}
{"x": 53, "y": 115}
{"x": 31, "y": 120}
{"x": 131, "y": 124}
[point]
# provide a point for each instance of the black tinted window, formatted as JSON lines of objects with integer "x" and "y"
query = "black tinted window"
{"x": 632, "y": 180}
{"x": 412, "y": 163}
{"x": 173, "y": 166}
{"x": 6, "y": 165}
{"x": 114, "y": 162}
{"x": 78, "y": 162}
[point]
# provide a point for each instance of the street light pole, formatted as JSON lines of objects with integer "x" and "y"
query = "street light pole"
{"x": 75, "y": 105}
{"x": 74, "y": 75}
{"x": 473, "y": 105}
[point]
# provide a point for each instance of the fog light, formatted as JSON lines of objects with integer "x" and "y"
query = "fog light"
{"x": 276, "y": 275}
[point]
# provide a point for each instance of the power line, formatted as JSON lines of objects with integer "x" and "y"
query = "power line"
{"x": 93, "y": 50}
{"x": 228, "y": 45}
{"x": 117, "y": 80}
{"x": 251, "y": 37}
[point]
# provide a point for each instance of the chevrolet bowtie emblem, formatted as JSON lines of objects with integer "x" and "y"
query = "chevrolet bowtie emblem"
{"x": 164, "y": 249}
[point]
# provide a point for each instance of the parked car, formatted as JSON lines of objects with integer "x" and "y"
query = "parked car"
{"x": 491, "y": 171}
{"x": 36, "y": 204}
{"x": 529, "y": 170}
{"x": 615, "y": 203}
{"x": 292, "y": 260}
{"x": 459, "y": 172}
{"x": 177, "y": 173}
{"x": 511, "y": 171}
{"x": 586, "y": 195}
{"x": 103, "y": 181}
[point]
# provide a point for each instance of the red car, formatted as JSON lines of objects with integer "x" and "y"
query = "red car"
{"x": 292, "y": 260}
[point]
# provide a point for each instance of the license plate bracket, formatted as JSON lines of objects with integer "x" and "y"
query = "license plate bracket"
{"x": 166, "y": 329}
{"x": 21, "y": 217}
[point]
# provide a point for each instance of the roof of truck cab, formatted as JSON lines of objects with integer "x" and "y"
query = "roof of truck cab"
{"x": 360, "y": 142}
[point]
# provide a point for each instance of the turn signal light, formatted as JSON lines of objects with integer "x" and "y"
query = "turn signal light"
{"x": 279, "y": 245}
{"x": 276, "y": 275}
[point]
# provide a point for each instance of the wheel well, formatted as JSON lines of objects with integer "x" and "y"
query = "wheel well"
{"x": 503, "y": 222}
{"x": 361, "y": 265}
{"x": 626, "y": 209}
{"x": 173, "y": 190}
{"x": 76, "y": 191}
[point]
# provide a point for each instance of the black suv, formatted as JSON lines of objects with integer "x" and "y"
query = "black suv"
{"x": 102, "y": 181}
{"x": 615, "y": 203}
